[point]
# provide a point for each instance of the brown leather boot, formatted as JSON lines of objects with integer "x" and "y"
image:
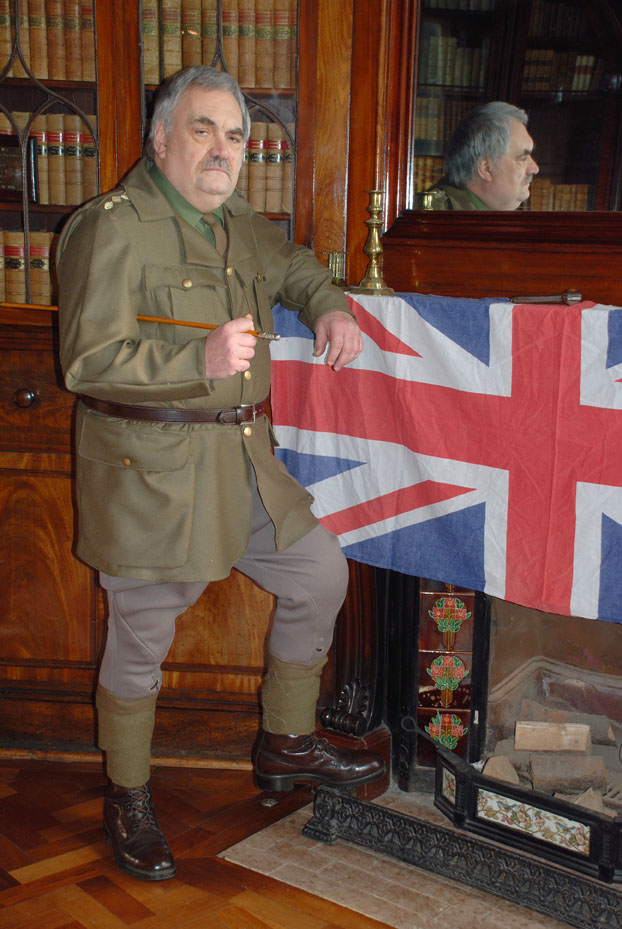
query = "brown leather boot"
{"x": 131, "y": 827}
{"x": 282, "y": 760}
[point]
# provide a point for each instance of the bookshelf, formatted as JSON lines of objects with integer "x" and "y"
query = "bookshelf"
{"x": 554, "y": 59}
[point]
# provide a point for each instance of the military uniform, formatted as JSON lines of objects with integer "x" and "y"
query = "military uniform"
{"x": 455, "y": 198}
{"x": 166, "y": 501}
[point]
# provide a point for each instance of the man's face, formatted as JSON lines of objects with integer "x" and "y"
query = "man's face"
{"x": 511, "y": 175}
{"x": 203, "y": 153}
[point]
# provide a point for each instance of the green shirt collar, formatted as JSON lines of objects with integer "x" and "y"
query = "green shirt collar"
{"x": 181, "y": 206}
{"x": 479, "y": 204}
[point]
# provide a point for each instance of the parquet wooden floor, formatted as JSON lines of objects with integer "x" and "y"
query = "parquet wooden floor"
{"x": 57, "y": 872}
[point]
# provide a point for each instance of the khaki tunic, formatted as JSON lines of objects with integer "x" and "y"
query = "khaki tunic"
{"x": 162, "y": 501}
{"x": 456, "y": 198}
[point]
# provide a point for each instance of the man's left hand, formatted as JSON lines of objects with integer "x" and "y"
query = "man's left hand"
{"x": 344, "y": 335}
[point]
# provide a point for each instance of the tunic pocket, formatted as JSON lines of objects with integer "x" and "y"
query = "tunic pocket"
{"x": 135, "y": 493}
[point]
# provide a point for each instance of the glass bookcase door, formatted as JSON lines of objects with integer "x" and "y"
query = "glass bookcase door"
{"x": 256, "y": 42}
{"x": 49, "y": 159}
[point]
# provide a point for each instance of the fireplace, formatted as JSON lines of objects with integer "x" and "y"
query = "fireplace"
{"x": 536, "y": 849}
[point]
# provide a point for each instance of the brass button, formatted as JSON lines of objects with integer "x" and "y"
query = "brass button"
{"x": 247, "y": 375}
{"x": 229, "y": 272}
{"x": 247, "y": 430}
{"x": 260, "y": 277}
{"x": 126, "y": 461}
{"x": 186, "y": 283}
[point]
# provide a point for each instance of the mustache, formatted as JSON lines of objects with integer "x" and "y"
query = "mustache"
{"x": 216, "y": 162}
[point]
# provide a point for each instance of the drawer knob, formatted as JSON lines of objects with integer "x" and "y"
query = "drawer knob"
{"x": 25, "y": 397}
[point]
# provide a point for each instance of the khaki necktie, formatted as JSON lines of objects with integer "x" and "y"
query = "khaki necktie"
{"x": 220, "y": 236}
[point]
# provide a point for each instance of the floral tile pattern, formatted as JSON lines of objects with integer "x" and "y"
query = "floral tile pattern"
{"x": 542, "y": 824}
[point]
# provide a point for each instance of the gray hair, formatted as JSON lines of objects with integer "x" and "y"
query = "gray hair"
{"x": 484, "y": 133}
{"x": 174, "y": 87}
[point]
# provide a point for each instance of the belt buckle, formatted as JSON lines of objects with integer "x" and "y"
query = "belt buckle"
{"x": 242, "y": 409}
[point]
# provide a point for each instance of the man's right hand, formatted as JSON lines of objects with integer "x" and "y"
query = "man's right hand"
{"x": 229, "y": 349}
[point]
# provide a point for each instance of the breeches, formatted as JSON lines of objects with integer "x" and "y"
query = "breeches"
{"x": 309, "y": 581}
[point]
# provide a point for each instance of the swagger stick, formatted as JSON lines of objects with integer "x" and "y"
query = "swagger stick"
{"x": 271, "y": 336}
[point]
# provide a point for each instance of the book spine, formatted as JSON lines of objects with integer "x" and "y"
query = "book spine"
{"x": 230, "y": 25}
{"x": 90, "y": 186}
{"x": 246, "y": 42}
{"x": 209, "y": 30}
{"x": 39, "y": 260}
{"x": 190, "y": 32}
{"x": 14, "y": 266}
{"x": 73, "y": 40}
{"x": 38, "y": 38}
{"x": 264, "y": 49}
{"x": 171, "y": 36}
{"x": 282, "y": 44}
{"x": 40, "y": 132}
{"x": 54, "y": 18}
{"x": 151, "y": 42}
{"x": 87, "y": 40}
{"x": 293, "y": 33}
{"x": 275, "y": 140}
{"x": 24, "y": 42}
{"x": 6, "y": 39}
{"x": 242, "y": 184}
{"x": 257, "y": 166}
{"x": 73, "y": 159}
{"x": 56, "y": 157}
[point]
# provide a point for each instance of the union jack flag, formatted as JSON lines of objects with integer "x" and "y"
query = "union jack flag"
{"x": 475, "y": 442}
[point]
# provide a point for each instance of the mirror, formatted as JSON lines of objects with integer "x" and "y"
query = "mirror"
{"x": 559, "y": 60}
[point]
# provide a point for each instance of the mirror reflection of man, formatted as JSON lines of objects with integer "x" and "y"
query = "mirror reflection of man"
{"x": 489, "y": 163}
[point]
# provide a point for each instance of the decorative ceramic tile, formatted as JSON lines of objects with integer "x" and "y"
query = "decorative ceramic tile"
{"x": 446, "y": 621}
{"x": 446, "y": 672}
{"x": 542, "y": 824}
{"x": 449, "y": 786}
{"x": 447, "y": 729}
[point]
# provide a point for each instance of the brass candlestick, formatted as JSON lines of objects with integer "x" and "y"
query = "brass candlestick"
{"x": 373, "y": 283}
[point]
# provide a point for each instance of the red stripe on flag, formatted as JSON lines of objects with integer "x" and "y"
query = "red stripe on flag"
{"x": 389, "y": 505}
{"x": 377, "y": 332}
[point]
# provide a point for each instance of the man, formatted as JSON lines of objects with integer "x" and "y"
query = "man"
{"x": 176, "y": 481}
{"x": 489, "y": 163}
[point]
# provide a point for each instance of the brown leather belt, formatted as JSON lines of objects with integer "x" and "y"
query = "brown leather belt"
{"x": 233, "y": 416}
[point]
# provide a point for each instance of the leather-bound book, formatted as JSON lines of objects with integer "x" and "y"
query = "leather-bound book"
{"x": 230, "y": 35}
{"x": 73, "y": 158}
{"x": 87, "y": 40}
{"x": 151, "y": 42}
{"x": 38, "y": 38}
{"x": 257, "y": 166}
{"x": 14, "y": 266}
{"x": 54, "y": 18}
{"x": 264, "y": 43}
{"x": 190, "y": 32}
{"x": 209, "y": 30}
{"x": 171, "y": 36}
{"x": 246, "y": 42}
{"x": 73, "y": 41}
{"x": 56, "y": 157}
